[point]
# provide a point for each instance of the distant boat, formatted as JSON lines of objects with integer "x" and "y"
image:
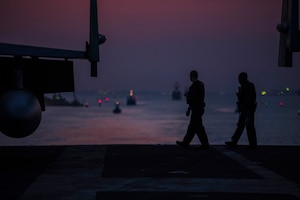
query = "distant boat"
{"x": 117, "y": 108}
{"x": 131, "y": 99}
{"x": 58, "y": 100}
{"x": 176, "y": 94}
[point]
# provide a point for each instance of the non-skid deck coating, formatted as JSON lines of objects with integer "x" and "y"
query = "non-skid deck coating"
{"x": 149, "y": 172}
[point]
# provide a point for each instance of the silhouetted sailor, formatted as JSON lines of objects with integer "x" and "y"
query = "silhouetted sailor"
{"x": 246, "y": 107}
{"x": 195, "y": 100}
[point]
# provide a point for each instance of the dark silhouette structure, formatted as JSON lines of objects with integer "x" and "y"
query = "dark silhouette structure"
{"x": 246, "y": 107}
{"x": 29, "y": 72}
{"x": 288, "y": 28}
{"x": 195, "y": 100}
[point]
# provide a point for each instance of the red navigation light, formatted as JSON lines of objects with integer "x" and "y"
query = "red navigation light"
{"x": 281, "y": 103}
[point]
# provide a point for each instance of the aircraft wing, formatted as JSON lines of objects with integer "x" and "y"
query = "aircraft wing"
{"x": 33, "y": 51}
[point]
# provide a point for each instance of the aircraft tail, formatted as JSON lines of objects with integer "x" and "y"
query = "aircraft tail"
{"x": 289, "y": 41}
{"x": 95, "y": 38}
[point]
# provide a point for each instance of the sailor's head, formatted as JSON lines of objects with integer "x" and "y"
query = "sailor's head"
{"x": 194, "y": 75}
{"x": 243, "y": 78}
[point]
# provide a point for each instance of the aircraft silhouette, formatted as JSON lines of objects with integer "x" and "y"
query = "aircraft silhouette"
{"x": 28, "y": 72}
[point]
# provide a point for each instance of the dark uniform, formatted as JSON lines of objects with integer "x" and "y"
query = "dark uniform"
{"x": 195, "y": 100}
{"x": 246, "y": 108}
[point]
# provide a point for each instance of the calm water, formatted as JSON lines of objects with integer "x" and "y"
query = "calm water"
{"x": 157, "y": 119}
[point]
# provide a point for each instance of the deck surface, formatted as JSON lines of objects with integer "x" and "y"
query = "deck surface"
{"x": 149, "y": 172}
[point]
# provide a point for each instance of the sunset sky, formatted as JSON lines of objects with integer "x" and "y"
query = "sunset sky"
{"x": 153, "y": 43}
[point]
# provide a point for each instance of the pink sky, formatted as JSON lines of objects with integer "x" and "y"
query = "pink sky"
{"x": 151, "y": 44}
